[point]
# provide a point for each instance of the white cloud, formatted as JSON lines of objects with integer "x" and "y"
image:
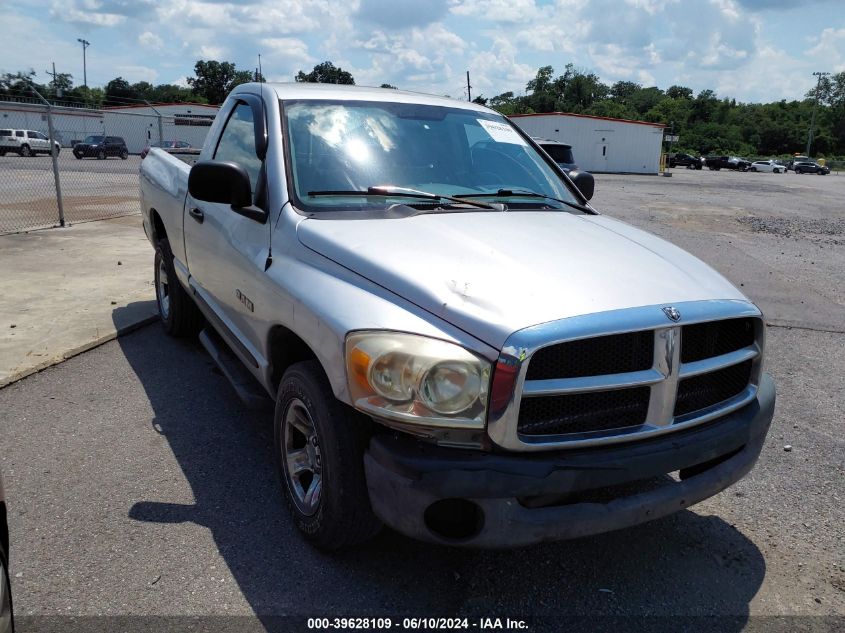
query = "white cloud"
{"x": 150, "y": 40}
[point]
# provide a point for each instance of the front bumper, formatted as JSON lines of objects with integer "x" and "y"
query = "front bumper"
{"x": 405, "y": 478}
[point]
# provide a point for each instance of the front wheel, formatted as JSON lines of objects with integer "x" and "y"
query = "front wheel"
{"x": 7, "y": 617}
{"x": 320, "y": 445}
{"x": 124, "y": 155}
{"x": 25, "y": 151}
{"x": 179, "y": 314}
{"x": 101, "y": 155}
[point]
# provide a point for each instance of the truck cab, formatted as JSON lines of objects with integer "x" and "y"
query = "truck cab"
{"x": 454, "y": 342}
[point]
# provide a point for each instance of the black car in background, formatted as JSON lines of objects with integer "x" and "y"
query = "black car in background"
{"x": 101, "y": 147}
{"x": 685, "y": 160}
{"x": 7, "y": 624}
{"x": 736, "y": 163}
{"x": 810, "y": 167}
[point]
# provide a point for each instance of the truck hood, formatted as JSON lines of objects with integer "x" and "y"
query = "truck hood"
{"x": 491, "y": 273}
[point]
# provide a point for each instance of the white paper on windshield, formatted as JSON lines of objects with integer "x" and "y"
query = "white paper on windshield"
{"x": 501, "y": 132}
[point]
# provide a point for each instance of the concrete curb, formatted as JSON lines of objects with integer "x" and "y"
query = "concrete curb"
{"x": 89, "y": 345}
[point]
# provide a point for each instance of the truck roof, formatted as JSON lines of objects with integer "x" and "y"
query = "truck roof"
{"x": 303, "y": 90}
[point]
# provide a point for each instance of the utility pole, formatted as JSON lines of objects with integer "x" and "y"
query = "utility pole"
{"x": 469, "y": 94}
{"x": 53, "y": 74}
{"x": 815, "y": 107}
{"x": 85, "y": 44}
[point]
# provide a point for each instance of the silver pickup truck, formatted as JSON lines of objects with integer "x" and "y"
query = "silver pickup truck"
{"x": 456, "y": 344}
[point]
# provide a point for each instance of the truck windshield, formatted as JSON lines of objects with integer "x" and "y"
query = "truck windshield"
{"x": 341, "y": 146}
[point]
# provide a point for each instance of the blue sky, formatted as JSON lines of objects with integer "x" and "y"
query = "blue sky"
{"x": 751, "y": 50}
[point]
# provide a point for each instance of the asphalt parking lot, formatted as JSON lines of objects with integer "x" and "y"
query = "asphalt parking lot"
{"x": 92, "y": 189}
{"x": 138, "y": 484}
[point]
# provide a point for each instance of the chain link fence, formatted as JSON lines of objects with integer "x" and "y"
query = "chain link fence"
{"x": 94, "y": 174}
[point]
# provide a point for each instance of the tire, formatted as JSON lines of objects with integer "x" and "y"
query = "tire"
{"x": 25, "y": 151}
{"x": 2, "y": 152}
{"x": 101, "y": 155}
{"x": 77, "y": 155}
{"x": 7, "y": 602}
{"x": 799, "y": 171}
{"x": 178, "y": 312}
{"x": 328, "y": 500}
{"x": 124, "y": 155}
{"x": 752, "y": 169}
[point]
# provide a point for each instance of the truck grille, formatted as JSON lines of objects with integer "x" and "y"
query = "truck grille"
{"x": 706, "y": 340}
{"x": 706, "y": 390}
{"x": 605, "y": 386}
{"x": 583, "y": 412}
{"x": 632, "y": 351}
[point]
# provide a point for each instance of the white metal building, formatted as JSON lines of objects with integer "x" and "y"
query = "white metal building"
{"x": 137, "y": 125}
{"x": 600, "y": 144}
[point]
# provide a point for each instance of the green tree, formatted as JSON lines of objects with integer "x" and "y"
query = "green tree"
{"x": 214, "y": 80}
{"x": 326, "y": 73}
{"x": 621, "y": 91}
{"x": 118, "y": 90}
{"x": 679, "y": 92}
{"x": 388, "y": 86}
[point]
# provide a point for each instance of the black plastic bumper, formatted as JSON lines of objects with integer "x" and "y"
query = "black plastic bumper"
{"x": 405, "y": 477}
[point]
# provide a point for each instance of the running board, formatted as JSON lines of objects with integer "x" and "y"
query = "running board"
{"x": 244, "y": 384}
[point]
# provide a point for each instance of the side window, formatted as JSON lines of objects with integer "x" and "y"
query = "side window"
{"x": 237, "y": 142}
{"x": 19, "y": 133}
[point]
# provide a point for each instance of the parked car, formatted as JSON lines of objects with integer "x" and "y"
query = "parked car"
{"x": 166, "y": 146}
{"x": 25, "y": 142}
{"x": 685, "y": 160}
{"x": 561, "y": 153}
{"x": 811, "y": 167}
{"x": 797, "y": 159}
{"x": 101, "y": 147}
{"x": 767, "y": 165}
{"x": 7, "y": 621}
{"x": 455, "y": 342}
{"x": 727, "y": 162}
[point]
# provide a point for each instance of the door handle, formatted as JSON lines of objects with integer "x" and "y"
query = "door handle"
{"x": 198, "y": 215}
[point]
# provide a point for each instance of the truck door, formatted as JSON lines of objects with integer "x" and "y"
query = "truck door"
{"x": 227, "y": 252}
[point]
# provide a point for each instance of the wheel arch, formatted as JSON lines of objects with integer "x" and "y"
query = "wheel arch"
{"x": 157, "y": 224}
{"x": 284, "y": 348}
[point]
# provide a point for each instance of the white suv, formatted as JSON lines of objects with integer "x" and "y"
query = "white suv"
{"x": 25, "y": 142}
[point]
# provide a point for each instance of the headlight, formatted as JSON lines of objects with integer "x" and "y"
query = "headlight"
{"x": 417, "y": 380}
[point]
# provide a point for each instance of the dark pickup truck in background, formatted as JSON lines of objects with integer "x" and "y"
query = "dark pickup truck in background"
{"x": 685, "y": 160}
{"x": 727, "y": 162}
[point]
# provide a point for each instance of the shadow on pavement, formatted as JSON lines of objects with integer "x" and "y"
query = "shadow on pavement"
{"x": 684, "y": 565}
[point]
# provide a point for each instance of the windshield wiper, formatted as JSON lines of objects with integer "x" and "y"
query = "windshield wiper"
{"x": 508, "y": 193}
{"x": 403, "y": 192}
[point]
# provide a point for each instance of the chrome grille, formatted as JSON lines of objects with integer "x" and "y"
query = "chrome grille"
{"x": 707, "y": 390}
{"x": 584, "y": 412}
{"x": 668, "y": 376}
{"x": 615, "y": 354}
{"x": 706, "y": 340}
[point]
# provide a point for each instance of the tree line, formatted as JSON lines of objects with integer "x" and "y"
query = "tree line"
{"x": 705, "y": 123}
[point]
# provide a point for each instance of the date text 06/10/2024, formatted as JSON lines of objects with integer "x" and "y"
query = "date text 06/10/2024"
{"x": 416, "y": 624}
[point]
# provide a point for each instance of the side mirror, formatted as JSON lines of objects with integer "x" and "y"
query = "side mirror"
{"x": 226, "y": 183}
{"x": 584, "y": 181}
{"x": 218, "y": 181}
